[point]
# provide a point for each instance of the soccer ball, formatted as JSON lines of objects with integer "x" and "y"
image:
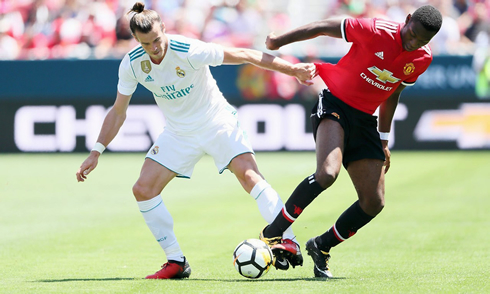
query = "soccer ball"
{"x": 252, "y": 258}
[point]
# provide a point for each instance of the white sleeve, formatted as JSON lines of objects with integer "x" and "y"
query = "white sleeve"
{"x": 127, "y": 80}
{"x": 203, "y": 54}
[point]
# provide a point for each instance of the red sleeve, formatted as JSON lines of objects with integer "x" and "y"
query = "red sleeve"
{"x": 411, "y": 81}
{"x": 424, "y": 62}
{"x": 357, "y": 30}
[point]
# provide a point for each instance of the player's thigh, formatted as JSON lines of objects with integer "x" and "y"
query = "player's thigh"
{"x": 369, "y": 180}
{"x": 152, "y": 180}
{"x": 329, "y": 148}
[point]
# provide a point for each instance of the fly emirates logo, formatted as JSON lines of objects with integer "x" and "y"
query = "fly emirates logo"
{"x": 170, "y": 93}
{"x": 382, "y": 76}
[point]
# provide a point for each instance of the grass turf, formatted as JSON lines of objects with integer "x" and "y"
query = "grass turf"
{"x": 60, "y": 236}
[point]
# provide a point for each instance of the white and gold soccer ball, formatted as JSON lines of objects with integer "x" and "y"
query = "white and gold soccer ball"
{"x": 252, "y": 258}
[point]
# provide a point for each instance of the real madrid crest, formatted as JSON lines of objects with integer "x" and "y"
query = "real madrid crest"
{"x": 146, "y": 66}
{"x": 408, "y": 69}
{"x": 154, "y": 151}
{"x": 180, "y": 72}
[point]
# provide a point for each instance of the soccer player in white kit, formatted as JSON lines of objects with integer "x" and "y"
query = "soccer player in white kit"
{"x": 199, "y": 121}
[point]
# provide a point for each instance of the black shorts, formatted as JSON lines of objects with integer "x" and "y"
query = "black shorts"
{"x": 361, "y": 137}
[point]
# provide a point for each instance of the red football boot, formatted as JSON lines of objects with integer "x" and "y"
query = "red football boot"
{"x": 289, "y": 250}
{"x": 172, "y": 270}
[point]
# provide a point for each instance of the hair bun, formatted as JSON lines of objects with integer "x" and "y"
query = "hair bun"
{"x": 138, "y": 7}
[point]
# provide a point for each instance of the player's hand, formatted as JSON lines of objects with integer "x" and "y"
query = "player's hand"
{"x": 87, "y": 166}
{"x": 269, "y": 42}
{"x": 387, "y": 152}
{"x": 304, "y": 73}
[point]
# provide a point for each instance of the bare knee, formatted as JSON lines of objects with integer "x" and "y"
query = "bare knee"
{"x": 248, "y": 179}
{"x": 326, "y": 177}
{"x": 248, "y": 176}
{"x": 143, "y": 192}
{"x": 245, "y": 169}
{"x": 372, "y": 205}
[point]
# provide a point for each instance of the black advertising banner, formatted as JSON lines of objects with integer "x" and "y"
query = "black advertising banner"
{"x": 420, "y": 124}
{"x": 59, "y": 106}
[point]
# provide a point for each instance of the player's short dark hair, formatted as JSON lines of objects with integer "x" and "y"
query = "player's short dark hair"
{"x": 142, "y": 20}
{"x": 429, "y": 17}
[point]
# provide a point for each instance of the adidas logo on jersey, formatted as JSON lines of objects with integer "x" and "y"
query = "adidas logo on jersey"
{"x": 379, "y": 54}
{"x": 149, "y": 79}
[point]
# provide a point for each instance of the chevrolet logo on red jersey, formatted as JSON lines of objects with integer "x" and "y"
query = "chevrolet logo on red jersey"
{"x": 383, "y": 75}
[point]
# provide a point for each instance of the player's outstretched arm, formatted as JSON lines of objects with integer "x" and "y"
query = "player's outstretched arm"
{"x": 112, "y": 123}
{"x": 386, "y": 113}
{"x": 303, "y": 72}
{"x": 327, "y": 27}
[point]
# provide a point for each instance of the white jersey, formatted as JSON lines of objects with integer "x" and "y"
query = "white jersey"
{"x": 182, "y": 84}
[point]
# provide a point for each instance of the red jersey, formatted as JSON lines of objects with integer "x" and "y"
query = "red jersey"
{"x": 375, "y": 65}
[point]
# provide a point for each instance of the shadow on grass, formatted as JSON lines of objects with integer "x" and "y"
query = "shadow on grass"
{"x": 191, "y": 279}
{"x": 274, "y": 280}
{"x": 85, "y": 280}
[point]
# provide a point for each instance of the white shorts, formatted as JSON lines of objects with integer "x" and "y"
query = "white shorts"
{"x": 180, "y": 153}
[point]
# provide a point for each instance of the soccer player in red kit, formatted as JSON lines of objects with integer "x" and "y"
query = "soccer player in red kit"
{"x": 385, "y": 57}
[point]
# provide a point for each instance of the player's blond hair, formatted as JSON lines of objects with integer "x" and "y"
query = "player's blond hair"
{"x": 142, "y": 19}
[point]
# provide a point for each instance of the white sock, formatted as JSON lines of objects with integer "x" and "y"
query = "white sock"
{"x": 270, "y": 204}
{"x": 161, "y": 224}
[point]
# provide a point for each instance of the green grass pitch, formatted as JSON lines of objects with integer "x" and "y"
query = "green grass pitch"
{"x": 60, "y": 236}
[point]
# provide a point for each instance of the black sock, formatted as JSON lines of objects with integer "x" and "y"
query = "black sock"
{"x": 302, "y": 196}
{"x": 346, "y": 226}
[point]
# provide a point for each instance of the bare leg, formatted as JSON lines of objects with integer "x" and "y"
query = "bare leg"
{"x": 369, "y": 180}
{"x": 329, "y": 149}
{"x": 244, "y": 167}
{"x": 153, "y": 178}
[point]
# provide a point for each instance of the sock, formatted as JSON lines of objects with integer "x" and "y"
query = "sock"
{"x": 269, "y": 203}
{"x": 161, "y": 224}
{"x": 302, "y": 196}
{"x": 345, "y": 227}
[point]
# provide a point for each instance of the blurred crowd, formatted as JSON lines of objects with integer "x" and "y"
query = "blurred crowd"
{"x": 54, "y": 29}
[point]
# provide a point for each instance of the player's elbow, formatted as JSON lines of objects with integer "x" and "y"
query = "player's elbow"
{"x": 237, "y": 56}
{"x": 328, "y": 27}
